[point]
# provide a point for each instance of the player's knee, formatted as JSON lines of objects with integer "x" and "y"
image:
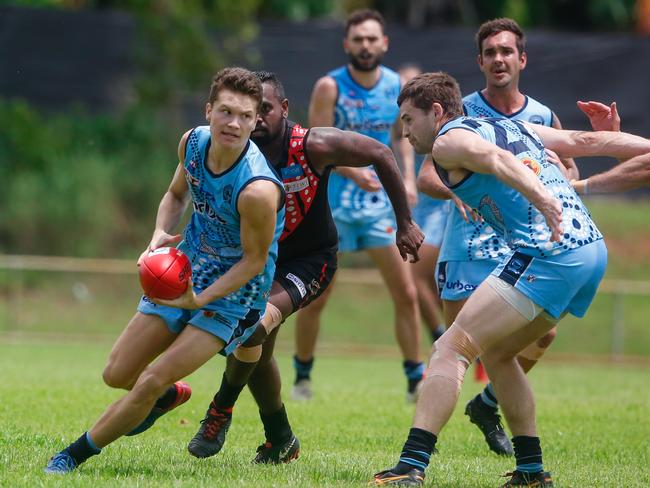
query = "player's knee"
{"x": 257, "y": 338}
{"x": 150, "y": 385}
{"x": 548, "y": 339}
{"x": 116, "y": 378}
{"x": 267, "y": 347}
{"x": 452, "y": 355}
{"x": 272, "y": 318}
{"x": 406, "y": 298}
{"x": 248, "y": 354}
{"x": 536, "y": 350}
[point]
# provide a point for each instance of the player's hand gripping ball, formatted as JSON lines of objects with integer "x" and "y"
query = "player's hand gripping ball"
{"x": 165, "y": 273}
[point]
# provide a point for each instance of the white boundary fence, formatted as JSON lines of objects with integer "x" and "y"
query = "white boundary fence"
{"x": 619, "y": 289}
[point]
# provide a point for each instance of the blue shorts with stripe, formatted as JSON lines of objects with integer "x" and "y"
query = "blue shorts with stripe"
{"x": 564, "y": 283}
{"x": 233, "y": 325}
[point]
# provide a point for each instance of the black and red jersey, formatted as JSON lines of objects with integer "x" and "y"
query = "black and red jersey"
{"x": 309, "y": 226}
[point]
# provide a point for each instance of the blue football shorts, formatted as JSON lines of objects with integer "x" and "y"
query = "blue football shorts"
{"x": 431, "y": 215}
{"x": 564, "y": 283}
{"x": 232, "y": 324}
{"x": 457, "y": 280}
{"x": 359, "y": 230}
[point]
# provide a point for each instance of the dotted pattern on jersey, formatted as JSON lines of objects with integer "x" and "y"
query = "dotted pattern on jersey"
{"x": 531, "y": 232}
{"x": 483, "y": 243}
{"x": 213, "y": 235}
{"x": 212, "y": 214}
{"x": 475, "y": 110}
{"x": 300, "y": 201}
{"x": 206, "y": 269}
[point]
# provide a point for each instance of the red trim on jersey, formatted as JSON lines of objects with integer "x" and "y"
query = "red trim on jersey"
{"x": 301, "y": 190}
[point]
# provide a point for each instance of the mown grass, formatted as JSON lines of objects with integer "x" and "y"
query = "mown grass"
{"x": 592, "y": 420}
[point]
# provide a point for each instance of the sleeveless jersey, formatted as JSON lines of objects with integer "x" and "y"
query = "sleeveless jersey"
{"x": 308, "y": 225}
{"x": 506, "y": 210}
{"x": 371, "y": 112}
{"x": 470, "y": 241}
{"x": 212, "y": 236}
{"x": 475, "y": 105}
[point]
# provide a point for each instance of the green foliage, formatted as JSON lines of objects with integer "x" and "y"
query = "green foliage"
{"x": 99, "y": 178}
{"x": 80, "y": 184}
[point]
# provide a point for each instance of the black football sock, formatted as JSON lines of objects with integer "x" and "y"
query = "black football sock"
{"x": 227, "y": 395}
{"x": 276, "y": 426}
{"x": 528, "y": 453}
{"x": 303, "y": 368}
{"x": 82, "y": 449}
{"x": 416, "y": 451}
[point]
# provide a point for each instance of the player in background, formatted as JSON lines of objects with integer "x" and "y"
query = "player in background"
{"x": 556, "y": 261}
{"x": 306, "y": 257}
{"x": 431, "y": 215}
{"x": 231, "y": 241}
{"x": 360, "y": 97}
{"x": 471, "y": 249}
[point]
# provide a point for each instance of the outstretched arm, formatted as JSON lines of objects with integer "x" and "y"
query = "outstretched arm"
{"x": 460, "y": 149}
{"x": 571, "y": 143}
{"x": 321, "y": 114}
{"x": 629, "y": 175}
{"x": 328, "y": 146}
{"x": 405, "y": 157}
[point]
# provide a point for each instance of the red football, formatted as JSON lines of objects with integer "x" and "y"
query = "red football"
{"x": 164, "y": 273}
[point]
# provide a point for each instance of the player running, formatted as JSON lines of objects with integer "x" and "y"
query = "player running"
{"x": 499, "y": 167}
{"x": 231, "y": 241}
{"x": 306, "y": 257}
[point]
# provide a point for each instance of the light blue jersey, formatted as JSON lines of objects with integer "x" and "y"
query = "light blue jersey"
{"x": 212, "y": 238}
{"x": 560, "y": 276}
{"x": 476, "y": 241}
{"x": 368, "y": 111}
{"x": 506, "y": 210}
{"x": 471, "y": 241}
{"x": 476, "y": 105}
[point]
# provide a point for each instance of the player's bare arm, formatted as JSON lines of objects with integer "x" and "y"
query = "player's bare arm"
{"x": 459, "y": 151}
{"x": 328, "y": 146}
{"x": 322, "y": 102}
{"x": 405, "y": 157}
{"x": 572, "y": 172}
{"x": 258, "y": 205}
{"x": 571, "y": 143}
{"x": 629, "y": 175}
{"x": 321, "y": 114}
{"x": 171, "y": 207}
{"x": 429, "y": 182}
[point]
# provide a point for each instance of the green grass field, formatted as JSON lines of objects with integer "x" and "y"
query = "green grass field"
{"x": 56, "y": 330}
{"x": 592, "y": 421}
